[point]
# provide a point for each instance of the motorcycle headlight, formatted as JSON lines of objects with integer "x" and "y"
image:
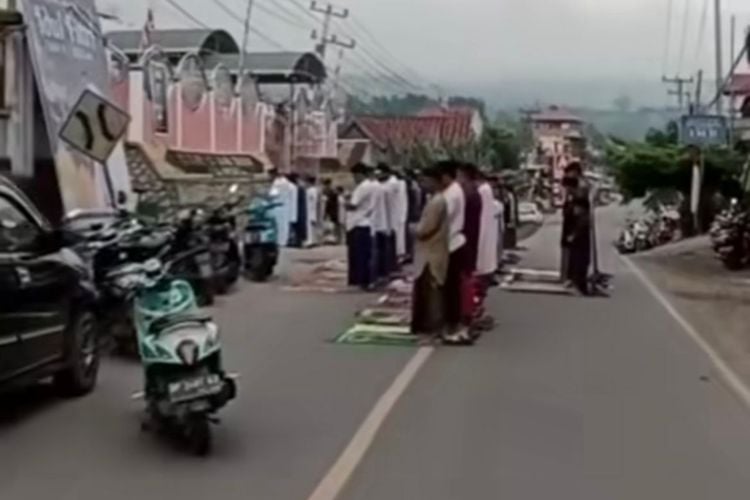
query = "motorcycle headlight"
{"x": 188, "y": 352}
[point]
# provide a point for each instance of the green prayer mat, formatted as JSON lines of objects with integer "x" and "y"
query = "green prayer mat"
{"x": 362, "y": 334}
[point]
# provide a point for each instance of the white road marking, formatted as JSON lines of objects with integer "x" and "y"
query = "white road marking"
{"x": 729, "y": 377}
{"x": 334, "y": 481}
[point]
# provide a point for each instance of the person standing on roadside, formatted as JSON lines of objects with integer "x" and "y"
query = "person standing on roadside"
{"x": 431, "y": 260}
{"x": 468, "y": 178}
{"x": 283, "y": 190}
{"x": 381, "y": 228}
{"x": 331, "y": 210}
{"x": 294, "y": 189}
{"x": 391, "y": 187}
{"x": 312, "y": 197}
{"x": 457, "y": 331}
{"x": 359, "y": 230}
{"x": 576, "y": 230}
{"x": 414, "y": 210}
{"x": 488, "y": 235}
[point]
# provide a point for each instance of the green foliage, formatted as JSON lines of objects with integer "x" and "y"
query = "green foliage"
{"x": 500, "y": 148}
{"x": 660, "y": 163}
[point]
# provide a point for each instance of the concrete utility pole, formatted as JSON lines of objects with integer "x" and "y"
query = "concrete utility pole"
{"x": 679, "y": 91}
{"x": 699, "y": 92}
{"x": 329, "y": 12}
{"x": 719, "y": 58}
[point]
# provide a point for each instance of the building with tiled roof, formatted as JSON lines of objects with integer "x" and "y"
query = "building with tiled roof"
{"x": 393, "y": 137}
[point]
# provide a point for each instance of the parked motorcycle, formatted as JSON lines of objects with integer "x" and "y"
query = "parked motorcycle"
{"x": 261, "y": 247}
{"x": 184, "y": 381}
{"x": 224, "y": 244}
{"x": 107, "y": 239}
{"x": 730, "y": 236}
{"x": 190, "y": 239}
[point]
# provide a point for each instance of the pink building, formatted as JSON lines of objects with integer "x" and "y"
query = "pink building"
{"x": 192, "y": 107}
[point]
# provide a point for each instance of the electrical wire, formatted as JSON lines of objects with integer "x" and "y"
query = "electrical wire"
{"x": 388, "y": 54}
{"x": 701, "y": 31}
{"x": 186, "y": 13}
{"x": 668, "y": 41}
{"x": 683, "y": 38}
{"x": 241, "y": 20}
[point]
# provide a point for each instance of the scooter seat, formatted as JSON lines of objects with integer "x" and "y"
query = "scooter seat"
{"x": 173, "y": 320}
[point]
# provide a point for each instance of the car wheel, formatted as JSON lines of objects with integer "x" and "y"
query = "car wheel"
{"x": 82, "y": 347}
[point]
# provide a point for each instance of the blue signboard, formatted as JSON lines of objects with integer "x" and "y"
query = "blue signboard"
{"x": 703, "y": 130}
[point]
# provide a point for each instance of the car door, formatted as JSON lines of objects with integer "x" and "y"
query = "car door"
{"x": 36, "y": 290}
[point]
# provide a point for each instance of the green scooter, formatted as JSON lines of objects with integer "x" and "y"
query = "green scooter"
{"x": 185, "y": 383}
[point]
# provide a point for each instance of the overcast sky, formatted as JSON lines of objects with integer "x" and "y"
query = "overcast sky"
{"x": 480, "y": 43}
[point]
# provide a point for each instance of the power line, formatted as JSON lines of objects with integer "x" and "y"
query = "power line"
{"x": 302, "y": 9}
{"x": 374, "y": 61}
{"x": 683, "y": 39}
{"x": 701, "y": 31}
{"x": 281, "y": 15}
{"x": 668, "y": 31}
{"x": 387, "y": 53}
{"x": 186, "y": 13}
{"x": 240, "y": 19}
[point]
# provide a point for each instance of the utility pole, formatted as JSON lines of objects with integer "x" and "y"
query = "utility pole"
{"x": 699, "y": 92}
{"x": 329, "y": 12}
{"x": 679, "y": 91}
{"x": 719, "y": 60}
{"x": 245, "y": 38}
{"x": 732, "y": 55}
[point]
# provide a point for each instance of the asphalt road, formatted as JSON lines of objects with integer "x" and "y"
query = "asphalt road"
{"x": 569, "y": 398}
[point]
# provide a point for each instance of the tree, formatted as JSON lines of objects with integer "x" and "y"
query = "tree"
{"x": 500, "y": 148}
{"x": 661, "y": 164}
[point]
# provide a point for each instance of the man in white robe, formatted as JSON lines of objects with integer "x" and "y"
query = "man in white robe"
{"x": 313, "y": 209}
{"x": 280, "y": 190}
{"x": 293, "y": 209}
{"x": 488, "y": 233}
{"x": 402, "y": 216}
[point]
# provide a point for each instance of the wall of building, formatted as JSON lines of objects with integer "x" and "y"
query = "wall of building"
{"x": 208, "y": 127}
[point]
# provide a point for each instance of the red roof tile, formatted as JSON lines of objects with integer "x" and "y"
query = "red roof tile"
{"x": 405, "y": 131}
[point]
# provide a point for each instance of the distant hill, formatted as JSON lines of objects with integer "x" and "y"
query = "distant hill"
{"x": 628, "y": 125}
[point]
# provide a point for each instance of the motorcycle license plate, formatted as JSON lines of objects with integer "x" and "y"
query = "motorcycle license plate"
{"x": 195, "y": 388}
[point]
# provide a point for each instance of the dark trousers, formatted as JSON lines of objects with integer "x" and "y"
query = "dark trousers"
{"x": 452, "y": 290}
{"x": 382, "y": 257}
{"x": 359, "y": 248}
{"x": 579, "y": 262}
{"x": 392, "y": 254}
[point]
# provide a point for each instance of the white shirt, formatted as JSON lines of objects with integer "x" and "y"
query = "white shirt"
{"x": 394, "y": 202}
{"x": 456, "y": 206}
{"x": 380, "y": 219}
{"x": 293, "y": 194}
{"x": 312, "y": 204}
{"x": 362, "y": 199}
{"x": 488, "y": 232}
{"x": 403, "y": 201}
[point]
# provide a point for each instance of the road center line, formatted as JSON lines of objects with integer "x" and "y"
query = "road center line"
{"x": 729, "y": 377}
{"x": 334, "y": 481}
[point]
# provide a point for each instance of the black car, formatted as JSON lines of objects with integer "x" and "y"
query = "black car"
{"x": 47, "y": 324}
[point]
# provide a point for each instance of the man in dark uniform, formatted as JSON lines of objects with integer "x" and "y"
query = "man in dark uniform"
{"x": 576, "y": 230}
